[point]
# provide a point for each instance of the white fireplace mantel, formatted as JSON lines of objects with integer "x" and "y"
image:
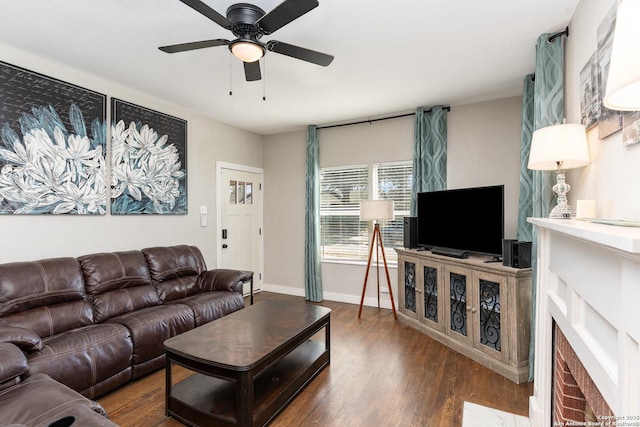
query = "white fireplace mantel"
{"x": 588, "y": 281}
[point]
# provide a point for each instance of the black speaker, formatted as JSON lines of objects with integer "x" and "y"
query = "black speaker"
{"x": 521, "y": 255}
{"x": 507, "y": 252}
{"x": 516, "y": 254}
{"x": 410, "y": 232}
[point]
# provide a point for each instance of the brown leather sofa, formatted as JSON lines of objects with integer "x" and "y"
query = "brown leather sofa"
{"x": 95, "y": 322}
{"x": 39, "y": 400}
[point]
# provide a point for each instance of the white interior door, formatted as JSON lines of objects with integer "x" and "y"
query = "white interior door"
{"x": 240, "y": 236}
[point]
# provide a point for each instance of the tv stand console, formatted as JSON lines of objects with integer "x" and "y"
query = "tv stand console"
{"x": 481, "y": 310}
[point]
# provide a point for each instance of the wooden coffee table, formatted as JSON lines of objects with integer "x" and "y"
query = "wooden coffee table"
{"x": 247, "y": 365}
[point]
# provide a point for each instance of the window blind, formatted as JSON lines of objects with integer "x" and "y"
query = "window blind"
{"x": 343, "y": 236}
{"x": 394, "y": 181}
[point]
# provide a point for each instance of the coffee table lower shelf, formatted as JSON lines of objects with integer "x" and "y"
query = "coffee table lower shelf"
{"x": 202, "y": 400}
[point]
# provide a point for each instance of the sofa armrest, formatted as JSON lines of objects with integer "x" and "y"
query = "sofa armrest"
{"x": 224, "y": 280}
{"x": 24, "y": 338}
{"x": 13, "y": 363}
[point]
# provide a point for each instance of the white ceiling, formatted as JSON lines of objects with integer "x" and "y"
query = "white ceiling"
{"x": 390, "y": 56}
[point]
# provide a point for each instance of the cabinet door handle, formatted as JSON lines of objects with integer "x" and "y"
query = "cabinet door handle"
{"x": 473, "y": 310}
{"x": 418, "y": 290}
{"x": 468, "y": 308}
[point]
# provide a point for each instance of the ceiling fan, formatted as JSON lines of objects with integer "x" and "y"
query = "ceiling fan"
{"x": 249, "y": 23}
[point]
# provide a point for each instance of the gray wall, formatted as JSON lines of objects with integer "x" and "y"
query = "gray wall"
{"x": 613, "y": 175}
{"x": 28, "y": 237}
{"x": 483, "y": 149}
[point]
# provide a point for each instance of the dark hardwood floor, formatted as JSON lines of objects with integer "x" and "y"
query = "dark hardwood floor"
{"x": 382, "y": 373}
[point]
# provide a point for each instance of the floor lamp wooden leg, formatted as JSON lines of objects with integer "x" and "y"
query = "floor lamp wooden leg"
{"x": 377, "y": 239}
{"x": 366, "y": 275}
{"x": 386, "y": 270}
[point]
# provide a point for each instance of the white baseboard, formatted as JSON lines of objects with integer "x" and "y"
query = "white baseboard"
{"x": 331, "y": 296}
{"x": 283, "y": 290}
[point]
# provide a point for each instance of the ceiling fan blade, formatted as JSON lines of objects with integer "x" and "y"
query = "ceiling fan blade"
{"x": 297, "y": 52}
{"x": 284, "y": 13}
{"x": 205, "y": 10}
{"x": 174, "y": 48}
{"x": 252, "y": 71}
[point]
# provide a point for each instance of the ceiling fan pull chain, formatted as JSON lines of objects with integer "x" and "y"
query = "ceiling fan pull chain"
{"x": 230, "y": 74}
{"x": 264, "y": 80}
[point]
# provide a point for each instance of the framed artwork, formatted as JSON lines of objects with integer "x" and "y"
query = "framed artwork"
{"x": 589, "y": 102}
{"x": 52, "y": 145}
{"x": 148, "y": 161}
{"x": 609, "y": 121}
{"x": 631, "y": 128}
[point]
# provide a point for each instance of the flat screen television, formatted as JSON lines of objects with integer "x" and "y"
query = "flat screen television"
{"x": 462, "y": 221}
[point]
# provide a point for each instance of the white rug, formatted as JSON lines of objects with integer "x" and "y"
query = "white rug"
{"x": 481, "y": 416}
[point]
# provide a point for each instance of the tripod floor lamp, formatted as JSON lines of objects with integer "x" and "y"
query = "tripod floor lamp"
{"x": 377, "y": 210}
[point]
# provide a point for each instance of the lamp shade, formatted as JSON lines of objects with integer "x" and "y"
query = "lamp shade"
{"x": 556, "y": 147}
{"x": 376, "y": 210}
{"x": 623, "y": 84}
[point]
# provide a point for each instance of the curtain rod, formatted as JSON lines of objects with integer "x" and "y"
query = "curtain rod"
{"x": 376, "y": 120}
{"x": 552, "y": 37}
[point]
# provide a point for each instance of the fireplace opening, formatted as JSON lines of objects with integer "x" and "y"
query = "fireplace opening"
{"x": 576, "y": 399}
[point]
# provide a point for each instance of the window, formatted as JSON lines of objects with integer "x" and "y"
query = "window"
{"x": 343, "y": 236}
{"x": 394, "y": 181}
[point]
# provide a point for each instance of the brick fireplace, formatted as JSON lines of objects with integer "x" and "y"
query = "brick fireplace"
{"x": 575, "y": 396}
{"x": 587, "y": 330}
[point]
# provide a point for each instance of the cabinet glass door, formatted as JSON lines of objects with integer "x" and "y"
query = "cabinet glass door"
{"x": 430, "y": 275}
{"x": 410, "y": 286}
{"x": 489, "y": 337}
{"x": 458, "y": 303}
{"x": 489, "y": 304}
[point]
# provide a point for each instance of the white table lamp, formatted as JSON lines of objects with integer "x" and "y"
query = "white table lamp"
{"x": 559, "y": 147}
{"x": 623, "y": 82}
{"x": 377, "y": 210}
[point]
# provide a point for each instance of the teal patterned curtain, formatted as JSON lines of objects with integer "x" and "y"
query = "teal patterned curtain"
{"x": 548, "y": 109}
{"x": 429, "y": 153}
{"x": 312, "y": 265}
{"x": 525, "y": 202}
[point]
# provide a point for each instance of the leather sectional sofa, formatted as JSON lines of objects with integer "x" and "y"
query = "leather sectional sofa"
{"x": 93, "y": 323}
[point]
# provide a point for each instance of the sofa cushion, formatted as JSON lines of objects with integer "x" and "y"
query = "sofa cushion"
{"x": 46, "y": 296}
{"x": 25, "y": 339}
{"x": 85, "y": 356}
{"x": 13, "y": 364}
{"x": 175, "y": 270}
{"x": 222, "y": 279}
{"x": 210, "y": 306}
{"x": 117, "y": 283}
{"x": 151, "y": 326}
{"x": 40, "y": 401}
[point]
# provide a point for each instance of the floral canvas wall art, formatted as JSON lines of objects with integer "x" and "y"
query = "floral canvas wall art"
{"x": 148, "y": 161}
{"x": 52, "y": 145}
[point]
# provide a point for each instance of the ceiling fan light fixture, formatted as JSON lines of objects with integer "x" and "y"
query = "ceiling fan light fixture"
{"x": 247, "y": 50}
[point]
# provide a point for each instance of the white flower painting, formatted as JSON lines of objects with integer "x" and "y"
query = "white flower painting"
{"x": 51, "y": 170}
{"x": 148, "y": 175}
{"x": 52, "y": 145}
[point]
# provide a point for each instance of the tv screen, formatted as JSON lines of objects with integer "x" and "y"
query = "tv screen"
{"x": 461, "y": 221}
